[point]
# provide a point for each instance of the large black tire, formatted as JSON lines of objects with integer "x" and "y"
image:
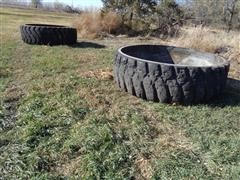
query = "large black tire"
{"x": 43, "y": 34}
{"x": 161, "y": 80}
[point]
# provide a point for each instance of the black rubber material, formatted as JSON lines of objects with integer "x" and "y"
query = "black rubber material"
{"x": 44, "y": 34}
{"x": 168, "y": 83}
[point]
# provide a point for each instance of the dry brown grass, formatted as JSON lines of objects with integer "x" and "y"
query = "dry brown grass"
{"x": 145, "y": 168}
{"x": 207, "y": 39}
{"x": 200, "y": 38}
{"x": 88, "y": 24}
{"x": 69, "y": 167}
{"x": 91, "y": 24}
{"x": 213, "y": 41}
{"x": 236, "y": 48}
{"x": 110, "y": 22}
{"x": 101, "y": 74}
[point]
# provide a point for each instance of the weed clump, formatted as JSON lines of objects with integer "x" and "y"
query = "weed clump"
{"x": 93, "y": 24}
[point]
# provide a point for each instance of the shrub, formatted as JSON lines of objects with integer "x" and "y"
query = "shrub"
{"x": 152, "y": 17}
{"x": 91, "y": 24}
{"x": 110, "y": 22}
{"x": 168, "y": 19}
{"x": 88, "y": 24}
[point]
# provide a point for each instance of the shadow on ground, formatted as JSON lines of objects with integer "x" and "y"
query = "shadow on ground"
{"x": 84, "y": 44}
{"x": 231, "y": 96}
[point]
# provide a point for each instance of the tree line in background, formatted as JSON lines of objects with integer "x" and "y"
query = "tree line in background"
{"x": 166, "y": 16}
{"x": 223, "y": 13}
{"x": 161, "y": 17}
{"x": 147, "y": 16}
{"x": 55, "y": 5}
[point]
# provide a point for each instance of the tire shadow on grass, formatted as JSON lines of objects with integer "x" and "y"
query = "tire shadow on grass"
{"x": 84, "y": 44}
{"x": 231, "y": 95}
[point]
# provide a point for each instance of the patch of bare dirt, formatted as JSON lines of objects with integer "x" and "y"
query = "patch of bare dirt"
{"x": 8, "y": 115}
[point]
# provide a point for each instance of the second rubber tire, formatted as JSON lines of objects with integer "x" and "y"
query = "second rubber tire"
{"x": 165, "y": 82}
{"x": 44, "y": 34}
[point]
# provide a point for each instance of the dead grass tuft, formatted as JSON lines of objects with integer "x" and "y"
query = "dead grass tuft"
{"x": 91, "y": 24}
{"x": 236, "y": 48}
{"x": 95, "y": 98}
{"x": 200, "y": 38}
{"x": 70, "y": 167}
{"x": 210, "y": 40}
{"x": 87, "y": 94}
{"x": 101, "y": 74}
{"x": 110, "y": 21}
{"x": 88, "y": 24}
{"x": 171, "y": 139}
{"x": 214, "y": 41}
{"x": 144, "y": 166}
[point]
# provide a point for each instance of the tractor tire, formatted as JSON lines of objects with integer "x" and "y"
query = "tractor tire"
{"x": 43, "y": 34}
{"x": 149, "y": 72}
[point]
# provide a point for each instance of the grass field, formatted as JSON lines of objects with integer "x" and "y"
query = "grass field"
{"x": 62, "y": 117}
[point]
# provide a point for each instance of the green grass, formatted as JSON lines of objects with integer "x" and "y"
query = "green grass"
{"x": 61, "y": 118}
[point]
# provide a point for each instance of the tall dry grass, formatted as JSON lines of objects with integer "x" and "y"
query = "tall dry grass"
{"x": 91, "y": 24}
{"x": 200, "y": 38}
{"x": 214, "y": 41}
{"x": 210, "y": 40}
{"x": 236, "y": 48}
